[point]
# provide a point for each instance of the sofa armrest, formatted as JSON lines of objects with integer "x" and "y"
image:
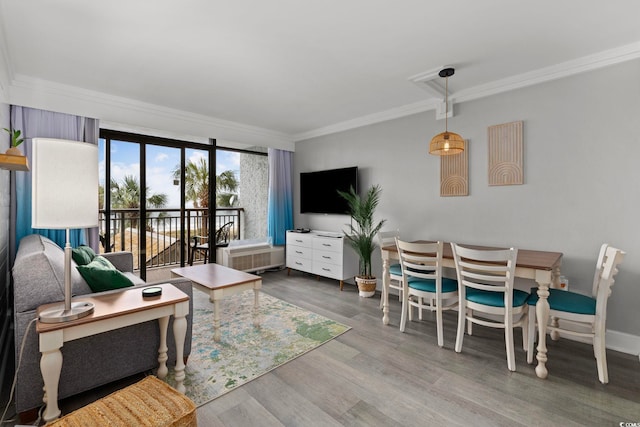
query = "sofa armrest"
{"x": 122, "y": 260}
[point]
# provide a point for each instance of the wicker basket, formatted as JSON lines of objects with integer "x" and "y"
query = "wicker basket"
{"x": 366, "y": 286}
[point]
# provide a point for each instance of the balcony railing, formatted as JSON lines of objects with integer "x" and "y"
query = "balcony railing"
{"x": 163, "y": 232}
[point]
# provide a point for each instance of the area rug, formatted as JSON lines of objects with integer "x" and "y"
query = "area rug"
{"x": 244, "y": 351}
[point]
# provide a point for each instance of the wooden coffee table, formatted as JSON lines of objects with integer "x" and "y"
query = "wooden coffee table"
{"x": 220, "y": 281}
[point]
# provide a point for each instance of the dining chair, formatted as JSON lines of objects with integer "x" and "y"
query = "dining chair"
{"x": 581, "y": 315}
{"x": 388, "y": 238}
{"x": 485, "y": 280}
{"x": 422, "y": 280}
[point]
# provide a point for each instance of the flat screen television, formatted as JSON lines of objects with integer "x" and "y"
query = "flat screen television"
{"x": 319, "y": 190}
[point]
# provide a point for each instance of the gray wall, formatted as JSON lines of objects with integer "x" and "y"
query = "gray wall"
{"x": 582, "y": 148}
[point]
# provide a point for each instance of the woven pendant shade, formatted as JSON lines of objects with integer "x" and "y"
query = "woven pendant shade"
{"x": 446, "y": 143}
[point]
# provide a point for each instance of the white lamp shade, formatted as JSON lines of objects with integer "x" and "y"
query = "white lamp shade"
{"x": 64, "y": 184}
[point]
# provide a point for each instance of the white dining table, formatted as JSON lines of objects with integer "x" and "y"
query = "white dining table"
{"x": 541, "y": 266}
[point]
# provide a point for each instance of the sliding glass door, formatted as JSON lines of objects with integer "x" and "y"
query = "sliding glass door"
{"x": 150, "y": 202}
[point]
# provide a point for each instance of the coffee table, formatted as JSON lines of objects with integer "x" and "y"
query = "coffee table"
{"x": 220, "y": 281}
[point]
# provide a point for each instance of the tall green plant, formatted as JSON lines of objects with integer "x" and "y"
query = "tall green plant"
{"x": 363, "y": 230}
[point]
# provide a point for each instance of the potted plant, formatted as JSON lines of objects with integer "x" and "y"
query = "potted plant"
{"x": 362, "y": 234}
{"x": 15, "y": 141}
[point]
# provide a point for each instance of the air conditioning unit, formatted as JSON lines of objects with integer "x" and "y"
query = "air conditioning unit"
{"x": 253, "y": 256}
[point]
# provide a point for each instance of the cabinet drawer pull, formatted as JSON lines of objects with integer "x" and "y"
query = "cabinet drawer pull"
{"x": 298, "y": 263}
{"x": 299, "y": 252}
{"x": 299, "y": 241}
{"x": 326, "y": 269}
{"x": 326, "y": 244}
{"x": 326, "y": 257}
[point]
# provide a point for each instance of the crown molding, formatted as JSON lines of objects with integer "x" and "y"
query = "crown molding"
{"x": 554, "y": 72}
{"x": 26, "y": 90}
{"x": 394, "y": 113}
{"x": 542, "y": 75}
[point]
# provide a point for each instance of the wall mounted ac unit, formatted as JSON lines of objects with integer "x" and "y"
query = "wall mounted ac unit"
{"x": 253, "y": 257}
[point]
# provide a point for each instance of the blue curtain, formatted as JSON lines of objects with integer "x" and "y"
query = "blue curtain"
{"x": 45, "y": 124}
{"x": 280, "y": 204}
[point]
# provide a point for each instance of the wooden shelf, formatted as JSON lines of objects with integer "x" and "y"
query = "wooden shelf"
{"x": 14, "y": 163}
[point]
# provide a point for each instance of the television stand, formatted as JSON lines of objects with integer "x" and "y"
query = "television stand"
{"x": 323, "y": 253}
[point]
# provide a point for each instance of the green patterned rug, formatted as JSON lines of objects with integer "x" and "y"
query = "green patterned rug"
{"x": 245, "y": 352}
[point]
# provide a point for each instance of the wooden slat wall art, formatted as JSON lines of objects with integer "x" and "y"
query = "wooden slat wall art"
{"x": 454, "y": 174}
{"x": 506, "y": 154}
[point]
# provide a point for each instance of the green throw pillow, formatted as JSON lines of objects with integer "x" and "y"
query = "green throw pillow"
{"x": 83, "y": 255}
{"x": 101, "y": 275}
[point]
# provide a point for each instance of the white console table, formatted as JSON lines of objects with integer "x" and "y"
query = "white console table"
{"x": 322, "y": 253}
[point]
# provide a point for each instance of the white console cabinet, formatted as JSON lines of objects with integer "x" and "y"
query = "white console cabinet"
{"x": 322, "y": 253}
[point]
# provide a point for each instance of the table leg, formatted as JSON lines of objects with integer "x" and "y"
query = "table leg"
{"x": 542, "y": 317}
{"x": 385, "y": 291}
{"x": 163, "y": 323}
{"x": 51, "y": 366}
{"x": 179, "y": 334}
{"x": 215, "y": 297}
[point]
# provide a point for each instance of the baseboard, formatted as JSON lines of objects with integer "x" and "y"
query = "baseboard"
{"x": 623, "y": 342}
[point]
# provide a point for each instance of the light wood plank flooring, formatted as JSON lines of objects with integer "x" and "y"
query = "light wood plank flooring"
{"x": 374, "y": 375}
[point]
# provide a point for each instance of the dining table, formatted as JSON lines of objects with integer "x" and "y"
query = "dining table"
{"x": 541, "y": 266}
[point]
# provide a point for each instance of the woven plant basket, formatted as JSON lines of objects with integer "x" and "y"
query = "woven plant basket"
{"x": 366, "y": 286}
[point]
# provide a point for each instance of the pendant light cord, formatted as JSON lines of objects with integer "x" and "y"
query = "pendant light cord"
{"x": 446, "y": 104}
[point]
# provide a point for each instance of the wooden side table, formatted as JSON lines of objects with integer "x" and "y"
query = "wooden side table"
{"x": 113, "y": 311}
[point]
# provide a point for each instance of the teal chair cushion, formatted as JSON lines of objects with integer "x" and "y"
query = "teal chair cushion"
{"x": 566, "y": 301}
{"x": 429, "y": 285}
{"x": 395, "y": 269}
{"x": 495, "y": 299}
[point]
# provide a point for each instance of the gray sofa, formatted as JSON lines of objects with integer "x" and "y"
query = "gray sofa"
{"x": 38, "y": 278}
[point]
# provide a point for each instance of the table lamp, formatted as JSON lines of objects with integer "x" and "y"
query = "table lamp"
{"x": 64, "y": 196}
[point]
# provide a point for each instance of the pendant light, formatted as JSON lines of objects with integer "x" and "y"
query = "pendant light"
{"x": 446, "y": 143}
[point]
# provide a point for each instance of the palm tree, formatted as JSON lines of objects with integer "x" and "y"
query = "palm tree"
{"x": 226, "y": 189}
{"x": 126, "y": 195}
{"x": 197, "y": 185}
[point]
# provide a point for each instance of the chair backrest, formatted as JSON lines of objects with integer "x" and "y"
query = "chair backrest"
{"x": 599, "y": 267}
{"x": 388, "y": 238}
{"x": 486, "y": 269}
{"x": 421, "y": 260}
{"x": 607, "y": 271}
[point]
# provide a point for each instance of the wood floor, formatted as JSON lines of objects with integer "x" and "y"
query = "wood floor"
{"x": 374, "y": 375}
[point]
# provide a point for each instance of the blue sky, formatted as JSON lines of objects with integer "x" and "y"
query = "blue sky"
{"x": 161, "y": 161}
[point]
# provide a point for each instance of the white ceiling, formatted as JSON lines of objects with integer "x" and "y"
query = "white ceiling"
{"x": 306, "y": 67}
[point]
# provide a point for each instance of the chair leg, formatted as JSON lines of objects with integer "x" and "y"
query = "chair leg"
{"x": 600, "y": 351}
{"x": 462, "y": 318}
{"x": 420, "y": 304}
{"x": 524, "y": 324}
{"x": 508, "y": 338}
{"x": 206, "y": 256}
{"x": 469, "y": 323}
{"x": 409, "y": 309}
{"x": 531, "y": 321}
{"x": 438, "y": 322}
{"x": 405, "y": 308}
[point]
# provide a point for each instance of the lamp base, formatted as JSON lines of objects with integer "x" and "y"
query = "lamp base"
{"x": 60, "y": 315}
